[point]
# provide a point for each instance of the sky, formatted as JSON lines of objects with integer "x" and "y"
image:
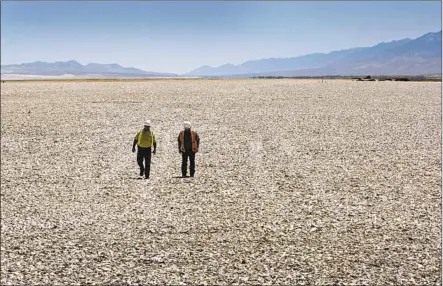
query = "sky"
{"x": 181, "y": 36}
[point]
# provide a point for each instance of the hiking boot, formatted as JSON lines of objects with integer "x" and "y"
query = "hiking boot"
{"x": 142, "y": 172}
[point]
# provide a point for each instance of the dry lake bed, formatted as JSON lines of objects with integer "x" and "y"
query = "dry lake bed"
{"x": 297, "y": 182}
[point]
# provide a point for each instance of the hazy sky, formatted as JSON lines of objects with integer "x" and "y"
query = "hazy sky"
{"x": 181, "y": 36}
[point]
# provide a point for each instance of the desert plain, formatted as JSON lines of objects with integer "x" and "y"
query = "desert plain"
{"x": 298, "y": 182}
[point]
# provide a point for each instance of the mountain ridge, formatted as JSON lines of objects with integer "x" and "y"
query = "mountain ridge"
{"x": 73, "y": 67}
{"x": 418, "y": 56}
{"x": 407, "y": 56}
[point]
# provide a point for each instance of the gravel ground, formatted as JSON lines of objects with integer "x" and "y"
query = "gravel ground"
{"x": 297, "y": 182}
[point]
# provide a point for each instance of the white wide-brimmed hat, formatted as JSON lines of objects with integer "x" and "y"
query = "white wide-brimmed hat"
{"x": 147, "y": 123}
{"x": 187, "y": 124}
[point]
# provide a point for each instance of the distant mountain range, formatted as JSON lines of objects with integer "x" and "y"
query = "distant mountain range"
{"x": 77, "y": 69}
{"x": 420, "y": 56}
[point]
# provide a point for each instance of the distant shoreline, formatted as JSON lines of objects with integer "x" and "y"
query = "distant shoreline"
{"x": 354, "y": 78}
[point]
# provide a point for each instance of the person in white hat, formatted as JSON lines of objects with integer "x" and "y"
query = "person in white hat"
{"x": 188, "y": 144}
{"x": 145, "y": 140}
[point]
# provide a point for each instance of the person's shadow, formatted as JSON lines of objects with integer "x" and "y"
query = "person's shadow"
{"x": 136, "y": 178}
{"x": 175, "y": 177}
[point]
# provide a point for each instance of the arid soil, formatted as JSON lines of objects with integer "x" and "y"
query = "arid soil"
{"x": 297, "y": 182}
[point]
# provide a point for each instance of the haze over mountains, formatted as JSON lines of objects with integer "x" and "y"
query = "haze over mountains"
{"x": 77, "y": 69}
{"x": 420, "y": 56}
{"x": 402, "y": 57}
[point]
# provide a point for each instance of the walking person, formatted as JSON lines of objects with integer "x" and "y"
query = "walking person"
{"x": 145, "y": 140}
{"x": 188, "y": 144}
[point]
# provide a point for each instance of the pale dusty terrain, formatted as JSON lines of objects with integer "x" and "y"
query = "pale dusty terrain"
{"x": 297, "y": 182}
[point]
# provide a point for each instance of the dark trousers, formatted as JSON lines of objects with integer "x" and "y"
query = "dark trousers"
{"x": 144, "y": 154}
{"x": 191, "y": 156}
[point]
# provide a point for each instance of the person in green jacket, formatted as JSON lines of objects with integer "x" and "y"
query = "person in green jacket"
{"x": 145, "y": 140}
